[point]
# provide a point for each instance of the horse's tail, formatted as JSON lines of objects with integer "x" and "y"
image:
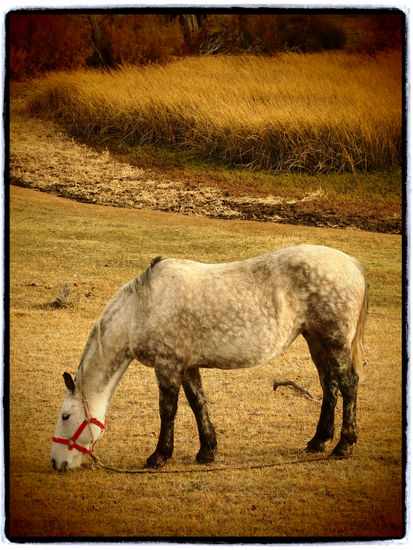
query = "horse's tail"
{"x": 357, "y": 347}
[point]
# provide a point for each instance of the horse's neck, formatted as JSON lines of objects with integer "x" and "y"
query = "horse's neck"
{"x": 103, "y": 363}
{"x": 98, "y": 391}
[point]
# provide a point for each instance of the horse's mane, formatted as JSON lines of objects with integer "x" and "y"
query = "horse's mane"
{"x": 142, "y": 281}
{"x": 136, "y": 286}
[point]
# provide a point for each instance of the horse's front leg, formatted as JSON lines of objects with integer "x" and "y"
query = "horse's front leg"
{"x": 169, "y": 382}
{"x": 194, "y": 393}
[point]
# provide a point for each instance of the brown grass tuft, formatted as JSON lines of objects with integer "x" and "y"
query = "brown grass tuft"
{"x": 64, "y": 298}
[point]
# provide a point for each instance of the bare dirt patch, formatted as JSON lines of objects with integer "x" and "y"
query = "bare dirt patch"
{"x": 44, "y": 157}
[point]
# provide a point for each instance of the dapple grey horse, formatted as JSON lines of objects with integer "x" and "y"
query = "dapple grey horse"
{"x": 179, "y": 316}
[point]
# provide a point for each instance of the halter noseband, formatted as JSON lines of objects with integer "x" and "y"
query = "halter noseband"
{"x": 71, "y": 443}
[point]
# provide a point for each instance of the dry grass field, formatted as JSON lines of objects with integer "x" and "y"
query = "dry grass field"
{"x": 94, "y": 249}
{"x": 328, "y": 111}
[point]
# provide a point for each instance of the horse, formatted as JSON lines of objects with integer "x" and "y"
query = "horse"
{"x": 179, "y": 316}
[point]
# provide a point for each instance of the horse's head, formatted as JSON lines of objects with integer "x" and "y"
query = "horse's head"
{"x": 76, "y": 430}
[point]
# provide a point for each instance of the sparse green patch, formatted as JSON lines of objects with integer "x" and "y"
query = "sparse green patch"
{"x": 379, "y": 187}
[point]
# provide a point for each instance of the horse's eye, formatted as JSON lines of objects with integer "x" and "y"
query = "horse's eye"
{"x": 65, "y": 416}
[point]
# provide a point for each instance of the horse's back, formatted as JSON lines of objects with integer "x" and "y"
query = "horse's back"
{"x": 301, "y": 269}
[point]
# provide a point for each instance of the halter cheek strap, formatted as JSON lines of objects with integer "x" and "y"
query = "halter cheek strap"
{"x": 71, "y": 443}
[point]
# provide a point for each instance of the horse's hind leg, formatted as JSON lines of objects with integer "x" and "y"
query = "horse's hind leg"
{"x": 343, "y": 373}
{"x": 169, "y": 382}
{"x": 347, "y": 379}
{"x": 325, "y": 427}
{"x": 194, "y": 393}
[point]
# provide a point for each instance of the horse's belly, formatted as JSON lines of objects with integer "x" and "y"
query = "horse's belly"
{"x": 242, "y": 349}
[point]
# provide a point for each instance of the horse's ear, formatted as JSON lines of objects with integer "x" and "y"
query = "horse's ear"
{"x": 70, "y": 385}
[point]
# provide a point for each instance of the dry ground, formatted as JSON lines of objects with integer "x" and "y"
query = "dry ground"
{"x": 95, "y": 249}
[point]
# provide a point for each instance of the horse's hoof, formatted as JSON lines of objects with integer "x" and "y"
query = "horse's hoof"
{"x": 315, "y": 446}
{"x": 205, "y": 456}
{"x": 342, "y": 450}
{"x": 155, "y": 461}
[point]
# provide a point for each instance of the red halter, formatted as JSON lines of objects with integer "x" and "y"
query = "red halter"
{"x": 71, "y": 443}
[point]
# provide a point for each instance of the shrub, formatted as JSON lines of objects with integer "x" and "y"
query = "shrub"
{"x": 44, "y": 42}
{"x": 310, "y": 33}
{"x": 137, "y": 39}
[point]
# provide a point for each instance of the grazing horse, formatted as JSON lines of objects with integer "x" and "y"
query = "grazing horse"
{"x": 180, "y": 315}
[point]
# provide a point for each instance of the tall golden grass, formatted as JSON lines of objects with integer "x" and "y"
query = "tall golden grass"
{"x": 314, "y": 112}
